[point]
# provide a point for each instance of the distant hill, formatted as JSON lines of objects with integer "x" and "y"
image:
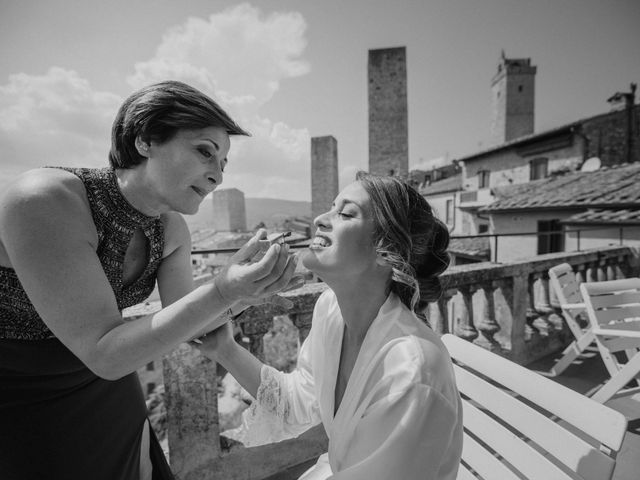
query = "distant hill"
{"x": 271, "y": 211}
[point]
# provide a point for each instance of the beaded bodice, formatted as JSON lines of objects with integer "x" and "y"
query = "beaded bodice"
{"x": 116, "y": 221}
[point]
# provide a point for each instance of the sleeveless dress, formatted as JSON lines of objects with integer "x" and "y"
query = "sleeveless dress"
{"x": 58, "y": 420}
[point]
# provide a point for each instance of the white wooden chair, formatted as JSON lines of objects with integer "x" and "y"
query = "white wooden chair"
{"x": 613, "y": 308}
{"x": 519, "y": 424}
{"x": 567, "y": 290}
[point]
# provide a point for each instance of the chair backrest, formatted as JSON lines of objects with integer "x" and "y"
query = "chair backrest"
{"x": 612, "y": 302}
{"x": 566, "y": 288}
{"x": 564, "y": 284}
{"x": 519, "y": 424}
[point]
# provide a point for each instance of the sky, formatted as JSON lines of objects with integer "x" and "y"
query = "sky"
{"x": 289, "y": 70}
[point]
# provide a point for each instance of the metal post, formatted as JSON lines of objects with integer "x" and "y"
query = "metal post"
{"x": 495, "y": 248}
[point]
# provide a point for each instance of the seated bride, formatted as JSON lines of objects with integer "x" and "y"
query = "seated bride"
{"x": 371, "y": 370}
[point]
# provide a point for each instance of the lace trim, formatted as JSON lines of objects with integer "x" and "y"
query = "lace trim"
{"x": 270, "y": 395}
{"x": 265, "y": 421}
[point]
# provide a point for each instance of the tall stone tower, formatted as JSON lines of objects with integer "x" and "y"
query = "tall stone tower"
{"x": 324, "y": 173}
{"x": 388, "y": 131}
{"x": 229, "y": 213}
{"x": 513, "y": 94}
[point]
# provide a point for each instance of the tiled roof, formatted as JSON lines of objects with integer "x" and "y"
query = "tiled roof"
{"x": 625, "y": 216}
{"x": 617, "y": 186}
{"x": 450, "y": 184}
{"x": 471, "y": 246}
{"x": 533, "y": 137}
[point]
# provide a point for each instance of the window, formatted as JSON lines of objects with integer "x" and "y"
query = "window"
{"x": 449, "y": 213}
{"x": 483, "y": 178}
{"x": 483, "y": 228}
{"x": 550, "y": 237}
{"x": 538, "y": 168}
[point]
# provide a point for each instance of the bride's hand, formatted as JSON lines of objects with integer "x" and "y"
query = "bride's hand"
{"x": 214, "y": 343}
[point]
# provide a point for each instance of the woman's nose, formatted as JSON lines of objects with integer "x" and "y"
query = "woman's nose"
{"x": 321, "y": 220}
{"x": 214, "y": 175}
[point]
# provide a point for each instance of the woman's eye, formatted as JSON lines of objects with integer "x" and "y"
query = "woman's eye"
{"x": 345, "y": 215}
{"x": 205, "y": 153}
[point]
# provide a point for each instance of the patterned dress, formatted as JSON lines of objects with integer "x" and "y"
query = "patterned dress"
{"x": 59, "y": 420}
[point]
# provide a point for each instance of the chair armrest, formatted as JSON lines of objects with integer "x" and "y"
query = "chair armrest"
{"x": 572, "y": 306}
{"x": 616, "y": 333}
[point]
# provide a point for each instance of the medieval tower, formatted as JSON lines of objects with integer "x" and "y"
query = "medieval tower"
{"x": 324, "y": 174}
{"x": 513, "y": 94}
{"x": 388, "y": 131}
{"x": 229, "y": 211}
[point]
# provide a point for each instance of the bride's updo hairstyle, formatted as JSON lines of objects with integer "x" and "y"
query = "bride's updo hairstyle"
{"x": 410, "y": 239}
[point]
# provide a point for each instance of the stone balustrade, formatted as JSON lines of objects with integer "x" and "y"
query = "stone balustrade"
{"x": 506, "y": 308}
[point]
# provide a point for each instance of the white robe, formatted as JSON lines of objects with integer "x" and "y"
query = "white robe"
{"x": 400, "y": 416}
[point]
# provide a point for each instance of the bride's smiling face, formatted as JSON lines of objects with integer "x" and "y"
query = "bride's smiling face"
{"x": 343, "y": 242}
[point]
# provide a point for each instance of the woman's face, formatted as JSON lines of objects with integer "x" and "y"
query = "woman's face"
{"x": 343, "y": 242}
{"x": 183, "y": 170}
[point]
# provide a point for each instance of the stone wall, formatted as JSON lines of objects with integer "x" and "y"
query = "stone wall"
{"x": 614, "y": 137}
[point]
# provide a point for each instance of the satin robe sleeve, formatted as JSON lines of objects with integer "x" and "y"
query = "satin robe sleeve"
{"x": 286, "y": 403}
{"x": 404, "y": 435}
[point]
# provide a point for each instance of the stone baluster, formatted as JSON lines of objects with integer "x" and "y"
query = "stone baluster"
{"x": 541, "y": 303}
{"x": 601, "y": 272}
{"x": 302, "y": 321}
{"x": 552, "y": 316}
{"x": 255, "y": 330}
{"x": 191, "y": 399}
{"x": 581, "y": 274}
{"x": 611, "y": 270}
{"x": 465, "y": 327}
{"x": 438, "y": 313}
{"x": 488, "y": 325}
{"x": 592, "y": 272}
{"x": 623, "y": 269}
{"x": 531, "y": 329}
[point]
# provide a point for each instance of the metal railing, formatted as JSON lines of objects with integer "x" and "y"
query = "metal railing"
{"x": 494, "y": 237}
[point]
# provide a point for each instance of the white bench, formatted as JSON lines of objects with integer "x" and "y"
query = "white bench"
{"x": 519, "y": 424}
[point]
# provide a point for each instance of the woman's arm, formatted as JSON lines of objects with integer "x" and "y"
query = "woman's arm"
{"x": 285, "y": 403}
{"x": 50, "y": 238}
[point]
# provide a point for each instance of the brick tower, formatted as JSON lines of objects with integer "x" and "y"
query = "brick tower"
{"x": 513, "y": 94}
{"x": 388, "y": 131}
{"x": 229, "y": 213}
{"x": 324, "y": 173}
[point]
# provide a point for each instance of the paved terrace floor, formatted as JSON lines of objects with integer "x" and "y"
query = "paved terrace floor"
{"x": 583, "y": 376}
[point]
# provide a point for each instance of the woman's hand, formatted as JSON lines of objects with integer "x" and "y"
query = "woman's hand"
{"x": 250, "y": 278}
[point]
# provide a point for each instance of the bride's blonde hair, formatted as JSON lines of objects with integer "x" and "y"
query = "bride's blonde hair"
{"x": 408, "y": 236}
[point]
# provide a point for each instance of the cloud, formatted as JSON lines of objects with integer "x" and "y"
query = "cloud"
{"x": 238, "y": 56}
{"x": 53, "y": 119}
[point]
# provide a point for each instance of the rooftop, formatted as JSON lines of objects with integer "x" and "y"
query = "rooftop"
{"x": 450, "y": 184}
{"x": 625, "y": 216}
{"x": 610, "y": 187}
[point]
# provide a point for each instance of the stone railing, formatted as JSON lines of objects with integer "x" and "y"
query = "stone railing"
{"x": 507, "y": 308}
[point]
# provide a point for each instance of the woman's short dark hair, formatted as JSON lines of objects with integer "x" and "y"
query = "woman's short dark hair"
{"x": 409, "y": 237}
{"x": 156, "y": 113}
